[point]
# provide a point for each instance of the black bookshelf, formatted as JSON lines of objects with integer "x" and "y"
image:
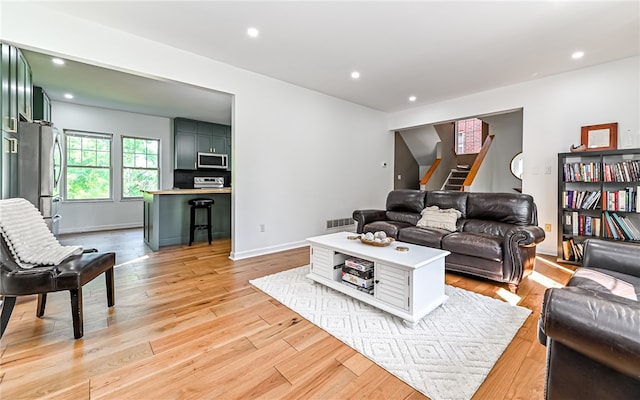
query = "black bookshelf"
{"x": 597, "y": 197}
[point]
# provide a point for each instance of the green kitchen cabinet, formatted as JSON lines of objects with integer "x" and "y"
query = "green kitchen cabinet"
{"x": 41, "y": 105}
{"x": 212, "y": 144}
{"x": 8, "y": 74}
{"x": 9, "y": 56}
{"x": 191, "y": 137}
{"x": 25, "y": 95}
{"x": 185, "y": 150}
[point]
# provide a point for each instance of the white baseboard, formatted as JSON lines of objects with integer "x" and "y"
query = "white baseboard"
{"x": 267, "y": 250}
{"x": 99, "y": 228}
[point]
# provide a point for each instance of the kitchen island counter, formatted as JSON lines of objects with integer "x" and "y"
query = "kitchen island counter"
{"x": 166, "y": 215}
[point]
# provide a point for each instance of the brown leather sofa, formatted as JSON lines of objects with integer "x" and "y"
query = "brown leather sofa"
{"x": 591, "y": 327}
{"x": 495, "y": 236}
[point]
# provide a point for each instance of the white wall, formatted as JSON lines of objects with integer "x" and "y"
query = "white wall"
{"x": 297, "y": 154}
{"x": 495, "y": 172}
{"x": 554, "y": 110}
{"x": 79, "y": 216}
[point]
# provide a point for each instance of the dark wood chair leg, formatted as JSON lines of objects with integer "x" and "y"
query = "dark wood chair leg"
{"x": 108, "y": 276}
{"x": 513, "y": 288}
{"x": 76, "y": 312}
{"x": 209, "y": 223}
{"x": 192, "y": 223}
{"x": 42, "y": 303}
{"x": 7, "y": 308}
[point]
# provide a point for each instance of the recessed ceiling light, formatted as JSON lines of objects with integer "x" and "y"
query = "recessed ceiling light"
{"x": 355, "y": 74}
{"x": 577, "y": 55}
{"x": 253, "y": 32}
{"x": 412, "y": 98}
{"x": 68, "y": 96}
{"x": 57, "y": 61}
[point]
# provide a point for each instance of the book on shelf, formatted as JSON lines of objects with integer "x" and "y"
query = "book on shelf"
{"x": 356, "y": 280}
{"x": 632, "y": 227}
{"x": 610, "y": 231}
{"x": 628, "y": 227}
{"x": 566, "y": 250}
{"x": 572, "y": 250}
{"x": 620, "y": 227}
{"x": 621, "y": 200}
{"x": 622, "y": 171}
{"x": 596, "y": 227}
{"x": 574, "y": 223}
{"x": 581, "y": 172}
{"x": 365, "y": 290}
{"x": 581, "y": 199}
{"x": 583, "y": 225}
{"x": 357, "y": 272}
{"x": 359, "y": 264}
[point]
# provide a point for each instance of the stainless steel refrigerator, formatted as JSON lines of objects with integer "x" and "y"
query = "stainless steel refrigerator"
{"x": 40, "y": 168}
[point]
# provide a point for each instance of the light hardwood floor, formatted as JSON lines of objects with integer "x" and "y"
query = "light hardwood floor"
{"x": 187, "y": 324}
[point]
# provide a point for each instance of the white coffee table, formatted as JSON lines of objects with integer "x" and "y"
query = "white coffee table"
{"x": 408, "y": 284}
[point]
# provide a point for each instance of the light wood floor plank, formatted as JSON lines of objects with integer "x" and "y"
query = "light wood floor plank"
{"x": 188, "y": 324}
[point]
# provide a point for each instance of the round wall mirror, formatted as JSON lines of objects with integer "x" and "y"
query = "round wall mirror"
{"x": 516, "y": 166}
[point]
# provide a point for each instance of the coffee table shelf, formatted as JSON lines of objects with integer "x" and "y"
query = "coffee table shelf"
{"x": 407, "y": 284}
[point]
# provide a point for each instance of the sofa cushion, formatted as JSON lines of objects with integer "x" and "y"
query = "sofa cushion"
{"x": 474, "y": 244}
{"x": 511, "y": 208}
{"x": 434, "y": 217}
{"x": 603, "y": 280}
{"x": 430, "y": 237}
{"x": 406, "y": 200}
{"x": 493, "y": 228}
{"x": 391, "y": 228}
{"x": 448, "y": 199}
{"x": 403, "y": 216}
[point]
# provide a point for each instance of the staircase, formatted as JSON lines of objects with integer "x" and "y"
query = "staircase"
{"x": 456, "y": 179}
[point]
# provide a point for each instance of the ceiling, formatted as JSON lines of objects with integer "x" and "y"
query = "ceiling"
{"x": 107, "y": 88}
{"x": 434, "y": 50}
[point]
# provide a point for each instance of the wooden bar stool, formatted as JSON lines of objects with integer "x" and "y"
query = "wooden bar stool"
{"x": 196, "y": 204}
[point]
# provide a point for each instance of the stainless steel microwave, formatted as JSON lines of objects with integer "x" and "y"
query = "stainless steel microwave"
{"x": 213, "y": 160}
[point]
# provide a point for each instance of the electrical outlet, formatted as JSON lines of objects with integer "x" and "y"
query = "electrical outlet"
{"x": 261, "y": 227}
{"x": 547, "y": 227}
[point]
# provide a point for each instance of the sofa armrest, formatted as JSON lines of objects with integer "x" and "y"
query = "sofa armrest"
{"x": 613, "y": 256}
{"x": 363, "y": 217}
{"x": 601, "y": 326}
{"x": 526, "y": 236}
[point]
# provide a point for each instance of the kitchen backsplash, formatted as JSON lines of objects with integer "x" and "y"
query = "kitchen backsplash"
{"x": 183, "y": 178}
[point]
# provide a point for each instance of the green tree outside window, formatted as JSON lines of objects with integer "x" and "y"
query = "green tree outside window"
{"x": 88, "y": 172}
{"x": 140, "y": 168}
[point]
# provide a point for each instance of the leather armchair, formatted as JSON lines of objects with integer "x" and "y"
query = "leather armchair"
{"x": 591, "y": 327}
{"x": 71, "y": 275}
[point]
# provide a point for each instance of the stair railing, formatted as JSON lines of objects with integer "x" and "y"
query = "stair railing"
{"x": 473, "y": 171}
{"x": 430, "y": 172}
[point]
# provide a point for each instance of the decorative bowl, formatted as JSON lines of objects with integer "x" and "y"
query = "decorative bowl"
{"x": 379, "y": 244}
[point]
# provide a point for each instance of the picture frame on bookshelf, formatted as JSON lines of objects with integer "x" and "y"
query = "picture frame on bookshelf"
{"x": 600, "y": 137}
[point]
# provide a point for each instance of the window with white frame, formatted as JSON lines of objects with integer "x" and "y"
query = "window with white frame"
{"x": 140, "y": 166}
{"x": 88, "y": 170}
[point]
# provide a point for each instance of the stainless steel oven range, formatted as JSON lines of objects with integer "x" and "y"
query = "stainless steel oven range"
{"x": 208, "y": 182}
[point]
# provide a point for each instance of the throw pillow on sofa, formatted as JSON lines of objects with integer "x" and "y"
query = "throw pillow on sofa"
{"x": 434, "y": 217}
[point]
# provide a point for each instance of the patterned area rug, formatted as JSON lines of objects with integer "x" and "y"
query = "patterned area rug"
{"x": 447, "y": 355}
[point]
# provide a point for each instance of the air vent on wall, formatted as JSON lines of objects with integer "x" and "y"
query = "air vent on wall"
{"x": 340, "y": 222}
